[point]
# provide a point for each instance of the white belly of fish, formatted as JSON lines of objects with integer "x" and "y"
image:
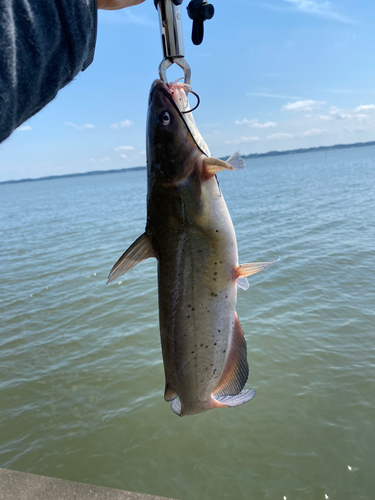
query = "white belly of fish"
{"x": 197, "y": 297}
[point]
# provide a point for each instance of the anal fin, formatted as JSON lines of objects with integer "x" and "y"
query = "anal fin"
{"x": 138, "y": 251}
{"x": 236, "y": 369}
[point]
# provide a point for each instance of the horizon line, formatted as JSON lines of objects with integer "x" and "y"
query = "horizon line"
{"x": 251, "y": 155}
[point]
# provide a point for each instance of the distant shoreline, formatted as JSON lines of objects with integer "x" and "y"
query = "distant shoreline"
{"x": 253, "y": 155}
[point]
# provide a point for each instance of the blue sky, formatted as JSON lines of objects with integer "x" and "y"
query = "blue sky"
{"x": 271, "y": 75}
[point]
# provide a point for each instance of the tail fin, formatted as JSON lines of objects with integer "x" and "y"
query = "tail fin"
{"x": 176, "y": 406}
{"x": 239, "y": 399}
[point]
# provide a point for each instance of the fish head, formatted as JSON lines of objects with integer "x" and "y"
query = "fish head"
{"x": 171, "y": 148}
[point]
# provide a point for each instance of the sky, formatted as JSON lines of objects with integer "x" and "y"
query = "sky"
{"x": 271, "y": 75}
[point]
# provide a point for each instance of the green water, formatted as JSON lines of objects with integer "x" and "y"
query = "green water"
{"x": 81, "y": 375}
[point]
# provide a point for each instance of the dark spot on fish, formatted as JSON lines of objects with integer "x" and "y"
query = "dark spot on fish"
{"x": 208, "y": 311}
{"x": 193, "y": 308}
{"x": 226, "y": 296}
{"x": 189, "y": 305}
{"x": 212, "y": 294}
{"x": 192, "y": 352}
{"x": 215, "y": 263}
{"x": 219, "y": 331}
{"x": 214, "y": 279}
{"x": 224, "y": 350}
{"x": 215, "y": 273}
{"x": 201, "y": 345}
{"x": 217, "y": 230}
{"x": 188, "y": 317}
{"x": 221, "y": 262}
{"x": 215, "y": 343}
{"x": 206, "y": 346}
{"x": 215, "y": 370}
{"x": 212, "y": 364}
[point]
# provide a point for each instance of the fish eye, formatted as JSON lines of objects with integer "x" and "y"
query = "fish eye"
{"x": 164, "y": 118}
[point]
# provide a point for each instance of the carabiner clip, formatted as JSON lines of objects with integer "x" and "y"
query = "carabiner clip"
{"x": 171, "y": 38}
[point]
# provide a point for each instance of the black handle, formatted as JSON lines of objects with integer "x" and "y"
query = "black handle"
{"x": 199, "y": 11}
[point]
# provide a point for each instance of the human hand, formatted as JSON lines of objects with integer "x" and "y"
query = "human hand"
{"x": 117, "y": 4}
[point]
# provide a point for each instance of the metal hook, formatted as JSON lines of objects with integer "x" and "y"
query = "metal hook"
{"x": 198, "y": 102}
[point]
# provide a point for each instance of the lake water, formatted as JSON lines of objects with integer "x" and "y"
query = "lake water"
{"x": 81, "y": 375}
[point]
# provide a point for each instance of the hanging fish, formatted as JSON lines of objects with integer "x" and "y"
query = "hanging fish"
{"x": 190, "y": 233}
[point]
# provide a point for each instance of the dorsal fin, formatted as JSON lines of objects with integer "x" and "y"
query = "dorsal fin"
{"x": 138, "y": 251}
{"x": 236, "y": 370}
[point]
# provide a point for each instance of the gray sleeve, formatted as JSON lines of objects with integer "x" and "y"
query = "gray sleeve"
{"x": 43, "y": 45}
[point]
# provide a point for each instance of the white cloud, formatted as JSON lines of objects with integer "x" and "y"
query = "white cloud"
{"x": 280, "y": 135}
{"x": 355, "y": 129}
{"x": 142, "y": 153}
{"x": 361, "y": 117}
{"x": 347, "y": 91}
{"x": 94, "y": 160}
{"x": 255, "y": 123}
{"x": 79, "y": 127}
{"x": 273, "y": 96}
{"x": 242, "y": 140}
{"x": 364, "y": 107}
{"x": 23, "y": 128}
{"x": 125, "y": 123}
{"x": 124, "y": 148}
{"x": 342, "y": 114}
{"x": 123, "y": 156}
{"x": 307, "y": 105}
{"x": 313, "y": 132}
{"x": 323, "y": 9}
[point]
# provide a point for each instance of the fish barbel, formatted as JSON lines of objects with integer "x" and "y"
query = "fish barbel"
{"x": 190, "y": 233}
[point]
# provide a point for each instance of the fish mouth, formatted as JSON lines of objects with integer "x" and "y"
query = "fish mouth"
{"x": 165, "y": 90}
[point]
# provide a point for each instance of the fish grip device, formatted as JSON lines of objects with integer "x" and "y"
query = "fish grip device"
{"x": 171, "y": 32}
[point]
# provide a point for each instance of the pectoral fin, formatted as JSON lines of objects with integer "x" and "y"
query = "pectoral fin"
{"x": 251, "y": 268}
{"x": 212, "y": 165}
{"x": 140, "y": 250}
